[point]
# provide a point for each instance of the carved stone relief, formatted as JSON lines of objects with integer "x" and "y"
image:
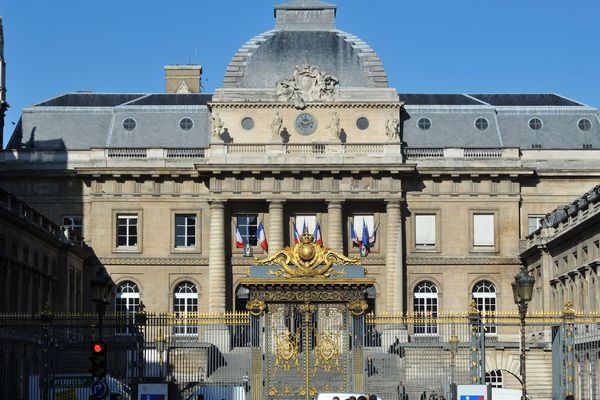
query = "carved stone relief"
{"x": 307, "y": 84}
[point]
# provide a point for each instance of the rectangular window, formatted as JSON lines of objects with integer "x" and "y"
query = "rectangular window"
{"x": 425, "y": 230}
{"x": 185, "y": 230}
{"x": 127, "y": 233}
{"x": 247, "y": 224}
{"x": 74, "y": 223}
{"x": 533, "y": 223}
{"x": 306, "y": 222}
{"x": 483, "y": 230}
{"x": 25, "y": 257}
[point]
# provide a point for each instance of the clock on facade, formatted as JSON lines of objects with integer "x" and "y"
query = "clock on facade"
{"x": 305, "y": 124}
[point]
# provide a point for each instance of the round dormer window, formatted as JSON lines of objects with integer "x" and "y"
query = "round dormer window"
{"x": 186, "y": 124}
{"x": 424, "y": 123}
{"x": 129, "y": 124}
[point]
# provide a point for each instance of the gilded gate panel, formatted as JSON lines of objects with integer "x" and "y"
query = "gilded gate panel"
{"x": 307, "y": 349}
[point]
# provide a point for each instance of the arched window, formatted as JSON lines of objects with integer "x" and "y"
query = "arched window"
{"x": 484, "y": 294}
{"x": 426, "y": 305}
{"x": 185, "y": 302}
{"x": 494, "y": 378}
{"x": 127, "y": 304}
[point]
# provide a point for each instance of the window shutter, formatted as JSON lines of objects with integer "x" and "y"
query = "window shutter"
{"x": 483, "y": 229}
{"x": 425, "y": 230}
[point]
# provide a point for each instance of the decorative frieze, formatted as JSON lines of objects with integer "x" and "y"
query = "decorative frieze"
{"x": 153, "y": 261}
{"x": 462, "y": 261}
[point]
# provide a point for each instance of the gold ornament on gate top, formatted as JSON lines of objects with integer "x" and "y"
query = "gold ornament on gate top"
{"x": 256, "y": 307}
{"x": 306, "y": 259}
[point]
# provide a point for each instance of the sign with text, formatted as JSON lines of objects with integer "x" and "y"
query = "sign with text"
{"x": 153, "y": 391}
{"x": 472, "y": 392}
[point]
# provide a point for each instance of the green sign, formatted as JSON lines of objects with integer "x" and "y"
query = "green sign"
{"x": 58, "y": 381}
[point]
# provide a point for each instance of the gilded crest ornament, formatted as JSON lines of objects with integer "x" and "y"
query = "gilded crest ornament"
{"x": 256, "y": 307}
{"x": 358, "y": 307}
{"x": 306, "y": 259}
{"x": 327, "y": 351}
{"x": 286, "y": 351}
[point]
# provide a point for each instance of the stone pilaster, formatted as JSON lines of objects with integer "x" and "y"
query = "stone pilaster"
{"x": 393, "y": 260}
{"x": 275, "y": 237}
{"x": 334, "y": 225}
{"x": 216, "y": 258}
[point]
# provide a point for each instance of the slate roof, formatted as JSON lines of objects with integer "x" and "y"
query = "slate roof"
{"x": 81, "y": 121}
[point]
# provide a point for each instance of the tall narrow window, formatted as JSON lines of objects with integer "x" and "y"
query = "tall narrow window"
{"x": 127, "y": 232}
{"x": 425, "y": 230}
{"x": 483, "y": 230}
{"x": 247, "y": 224}
{"x": 185, "y": 302}
{"x": 306, "y": 222}
{"x": 426, "y": 306}
{"x": 484, "y": 294}
{"x": 74, "y": 223}
{"x": 127, "y": 304}
{"x": 185, "y": 230}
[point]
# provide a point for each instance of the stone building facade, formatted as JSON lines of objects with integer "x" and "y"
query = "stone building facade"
{"x": 40, "y": 262}
{"x": 563, "y": 254}
{"x": 304, "y": 130}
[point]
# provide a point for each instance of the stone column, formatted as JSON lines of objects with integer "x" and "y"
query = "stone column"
{"x": 334, "y": 225}
{"x": 275, "y": 238}
{"x": 216, "y": 258}
{"x": 393, "y": 259}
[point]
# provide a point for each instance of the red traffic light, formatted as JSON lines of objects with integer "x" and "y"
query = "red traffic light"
{"x": 97, "y": 348}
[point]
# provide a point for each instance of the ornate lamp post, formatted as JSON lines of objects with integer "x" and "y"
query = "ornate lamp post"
{"x": 453, "y": 350}
{"x": 522, "y": 291}
{"x": 102, "y": 288}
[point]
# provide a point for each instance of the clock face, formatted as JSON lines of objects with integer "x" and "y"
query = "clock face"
{"x": 305, "y": 124}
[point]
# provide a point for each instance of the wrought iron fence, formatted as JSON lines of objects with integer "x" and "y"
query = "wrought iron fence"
{"x": 403, "y": 356}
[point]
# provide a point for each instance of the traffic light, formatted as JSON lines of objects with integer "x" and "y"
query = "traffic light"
{"x": 98, "y": 359}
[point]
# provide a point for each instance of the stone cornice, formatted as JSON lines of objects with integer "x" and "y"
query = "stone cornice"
{"x": 329, "y": 168}
{"x": 290, "y": 105}
{"x": 462, "y": 260}
{"x": 154, "y": 261}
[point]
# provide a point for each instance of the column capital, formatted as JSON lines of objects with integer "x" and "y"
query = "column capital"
{"x": 393, "y": 203}
{"x": 276, "y": 202}
{"x": 217, "y": 204}
{"x": 334, "y": 202}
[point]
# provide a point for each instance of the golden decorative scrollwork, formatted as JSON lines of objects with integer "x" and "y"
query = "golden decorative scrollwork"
{"x": 306, "y": 259}
{"x": 358, "y": 307}
{"x": 473, "y": 307}
{"x": 286, "y": 351}
{"x": 256, "y": 307}
{"x": 569, "y": 307}
{"x": 327, "y": 351}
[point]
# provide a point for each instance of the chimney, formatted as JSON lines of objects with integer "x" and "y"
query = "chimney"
{"x": 183, "y": 79}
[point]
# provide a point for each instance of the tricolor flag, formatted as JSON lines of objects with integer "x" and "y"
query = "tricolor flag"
{"x": 365, "y": 244}
{"x": 317, "y": 235}
{"x": 239, "y": 242}
{"x": 262, "y": 239}
{"x": 296, "y": 236}
{"x": 373, "y": 237}
{"x": 472, "y": 397}
{"x": 353, "y": 236}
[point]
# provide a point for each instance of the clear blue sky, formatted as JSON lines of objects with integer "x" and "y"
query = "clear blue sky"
{"x": 427, "y": 46}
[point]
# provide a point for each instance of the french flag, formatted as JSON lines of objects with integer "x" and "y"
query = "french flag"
{"x": 365, "y": 236}
{"x": 262, "y": 239}
{"x": 239, "y": 242}
{"x": 296, "y": 236}
{"x": 317, "y": 235}
{"x": 373, "y": 238}
{"x": 353, "y": 236}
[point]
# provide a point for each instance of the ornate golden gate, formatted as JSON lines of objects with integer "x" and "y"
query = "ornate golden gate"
{"x": 308, "y": 304}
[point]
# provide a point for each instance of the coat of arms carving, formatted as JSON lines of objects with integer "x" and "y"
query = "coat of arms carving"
{"x": 307, "y": 84}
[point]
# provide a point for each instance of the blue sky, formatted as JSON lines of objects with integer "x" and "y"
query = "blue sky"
{"x": 427, "y": 46}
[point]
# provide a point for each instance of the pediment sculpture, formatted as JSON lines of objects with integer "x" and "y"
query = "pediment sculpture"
{"x": 307, "y": 84}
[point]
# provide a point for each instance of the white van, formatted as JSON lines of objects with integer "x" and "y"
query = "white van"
{"x": 341, "y": 396}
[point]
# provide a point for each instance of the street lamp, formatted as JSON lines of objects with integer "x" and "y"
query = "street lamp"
{"x": 453, "y": 350}
{"x": 522, "y": 292}
{"x": 102, "y": 287}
